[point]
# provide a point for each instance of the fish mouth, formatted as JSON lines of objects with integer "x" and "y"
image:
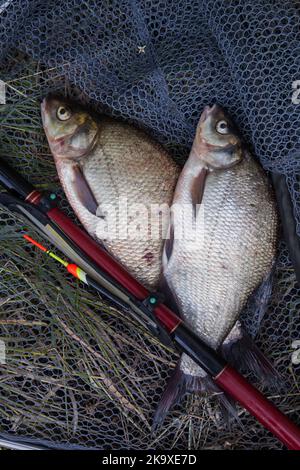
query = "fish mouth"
{"x": 213, "y": 111}
{"x": 46, "y": 120}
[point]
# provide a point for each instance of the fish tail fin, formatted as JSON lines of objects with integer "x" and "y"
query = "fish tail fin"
{"x": 180, "y": 384}
{"x": 172, "y": 395}
{"x": 243, "y": 354}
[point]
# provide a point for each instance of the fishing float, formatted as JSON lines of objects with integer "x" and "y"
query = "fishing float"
{"x": 41, "y": 210}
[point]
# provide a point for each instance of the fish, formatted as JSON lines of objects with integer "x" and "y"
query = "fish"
{"x": 116, "y": 178}
{"x": 219, "y": 252}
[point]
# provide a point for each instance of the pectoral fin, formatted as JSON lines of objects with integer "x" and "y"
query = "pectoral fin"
{"x": 83, "y": 191}
{"x": 169, "y": 298}
{"x": 197, "y": 189}
{"x": 168, "y": 248}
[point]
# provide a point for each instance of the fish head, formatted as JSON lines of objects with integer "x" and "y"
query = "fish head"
{"x": 217, "y": 142}
{"x": 71, "y": 131}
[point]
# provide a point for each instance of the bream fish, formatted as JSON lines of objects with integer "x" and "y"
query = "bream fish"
{"x": 215, "y": 259}
{"x": 104, "y": 165}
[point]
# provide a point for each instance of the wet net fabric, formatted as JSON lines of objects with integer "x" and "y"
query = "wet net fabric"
{"x": 75, "y": 377}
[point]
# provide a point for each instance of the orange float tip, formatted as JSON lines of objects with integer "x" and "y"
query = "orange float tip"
{"x": 34, "y": 242}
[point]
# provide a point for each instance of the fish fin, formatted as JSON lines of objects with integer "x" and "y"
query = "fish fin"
{"x": 257, "y": 304}
{"x": 287, "y": 215}
{"x": 170, "y": 299}
{"x": 197, "y": 189}
{"x": 168, "y": 246}
{"x": 83, "y": 191}
{"x": 180, "y": 384}
{"x": 242, "y": 353}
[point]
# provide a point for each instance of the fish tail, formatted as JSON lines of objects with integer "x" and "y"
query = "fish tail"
{"x": 180, "y": 384}
{"x": 243, "y": 354}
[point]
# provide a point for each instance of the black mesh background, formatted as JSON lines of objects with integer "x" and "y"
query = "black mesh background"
{"x": 155, "y": 63}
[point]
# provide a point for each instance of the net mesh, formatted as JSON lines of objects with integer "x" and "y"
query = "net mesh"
{"x": 77, "y": 372}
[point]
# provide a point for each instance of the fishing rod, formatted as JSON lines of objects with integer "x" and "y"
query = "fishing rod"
{"x": 42, "y": 211}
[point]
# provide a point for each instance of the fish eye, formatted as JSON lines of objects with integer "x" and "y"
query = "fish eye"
{"x": 222, "y": 127}
{"x": 63, "y": 113}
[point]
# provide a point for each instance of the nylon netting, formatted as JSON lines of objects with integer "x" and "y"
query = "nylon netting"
{"x": 77, "y": 372}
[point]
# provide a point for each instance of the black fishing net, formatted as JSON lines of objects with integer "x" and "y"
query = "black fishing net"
{"x": 76, "y": 371}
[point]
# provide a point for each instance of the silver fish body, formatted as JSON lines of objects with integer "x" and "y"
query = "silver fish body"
{"x": 235, "y": 243}
{"x": 108, "y": 164}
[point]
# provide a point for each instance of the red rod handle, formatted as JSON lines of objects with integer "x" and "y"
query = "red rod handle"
{"x": 259, "y": 406}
